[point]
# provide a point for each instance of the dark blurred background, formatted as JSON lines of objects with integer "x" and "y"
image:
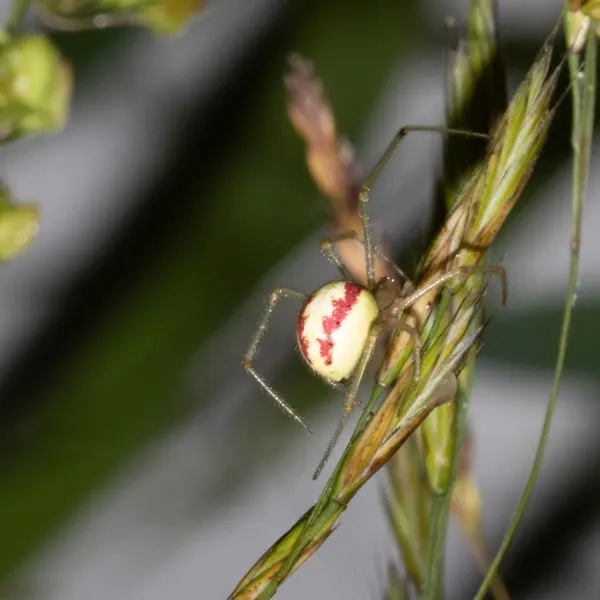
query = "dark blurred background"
{"x": 136, "y": 459}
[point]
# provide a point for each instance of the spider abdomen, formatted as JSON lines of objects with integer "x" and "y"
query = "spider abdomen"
{"x": 333, "y": 328}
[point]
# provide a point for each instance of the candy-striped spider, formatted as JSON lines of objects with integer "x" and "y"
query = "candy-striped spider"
{"x": 340, "y": 323}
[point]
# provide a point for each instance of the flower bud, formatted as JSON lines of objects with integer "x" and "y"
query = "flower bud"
{"x": 18, "y": 226}
{"x": 169, "y": 16}
{"x": 35, "y": 87}
{"x": 439, "y": 439}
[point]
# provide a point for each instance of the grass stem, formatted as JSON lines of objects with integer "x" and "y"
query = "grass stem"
{"x": 582, "y": 129}
{"x": 440, "y": 510}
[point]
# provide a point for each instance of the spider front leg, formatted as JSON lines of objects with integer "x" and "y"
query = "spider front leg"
{"x": 425, "y": 293}
{"x": 330, "y": 252}
{"x": 365, "y": 189}
{"x": 351, "y": 399}
{"x": 252, "y": 351}
{"x": 465, "y": 271}
{"x": 364, "y": 197}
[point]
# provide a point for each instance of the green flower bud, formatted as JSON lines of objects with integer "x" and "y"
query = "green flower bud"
{"x": 18, "y": 226}
{"x": 439, "y": 439}
{"x": 169, "y": 16}
{"x": 35, "y": 87}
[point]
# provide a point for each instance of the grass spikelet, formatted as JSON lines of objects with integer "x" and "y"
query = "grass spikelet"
{"x": 398, "y": 404}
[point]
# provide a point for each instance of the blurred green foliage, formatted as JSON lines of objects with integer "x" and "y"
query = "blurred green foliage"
{"x": 163, "y": 16}
{"x": 35, "y": 87}
{"x": 112, "y": 389}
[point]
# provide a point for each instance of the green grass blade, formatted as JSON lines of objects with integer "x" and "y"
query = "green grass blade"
{"x": 476, "y": 99}
{"x": 583, "y": 121}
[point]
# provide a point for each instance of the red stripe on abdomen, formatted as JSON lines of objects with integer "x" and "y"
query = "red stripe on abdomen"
{"x": 331, "y": 323}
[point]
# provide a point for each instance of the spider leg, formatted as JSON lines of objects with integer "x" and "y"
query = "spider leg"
{"x": 253, "y": 348}
{"x": 339, "y": 387}
{"x": 328, "y": 249}
{"x": 351, "y": 398}
{"x": 401, "y": 304}
{"x": 458, "y": 272}
{"x": 364, "y": 197}
{"x": 365, "y": 188}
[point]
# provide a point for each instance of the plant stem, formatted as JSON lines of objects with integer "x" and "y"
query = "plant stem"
{"x": 17, "y": 14}
{"x": 434, "y": 573}
{"x": 440, "y": 509}
{"x": 497, "y": 587}
{"x": 582, "y": 130}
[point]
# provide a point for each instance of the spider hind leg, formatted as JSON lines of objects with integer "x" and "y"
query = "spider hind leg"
{"x": 252, "y": 351}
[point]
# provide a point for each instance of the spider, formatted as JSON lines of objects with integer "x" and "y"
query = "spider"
{"x": 340, "y": 323}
